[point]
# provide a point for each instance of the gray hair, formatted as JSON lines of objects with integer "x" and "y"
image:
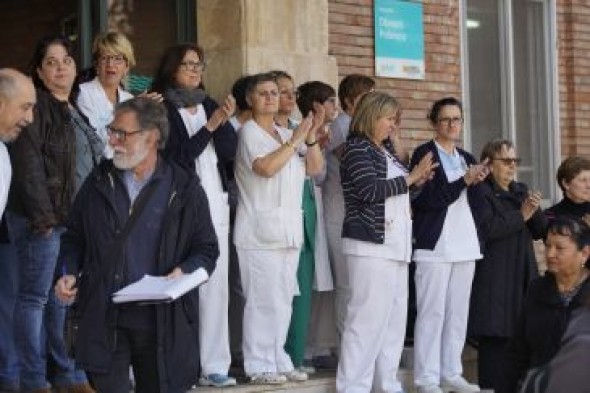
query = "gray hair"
{"x": 494, "y": 147}
{"x": 7, "y": 84}
{"x": 150, "y": 114}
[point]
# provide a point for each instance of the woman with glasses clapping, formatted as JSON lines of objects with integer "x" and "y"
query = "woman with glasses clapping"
{"x": 201, "y": 138}
{"x": 446, "y": 245}
{"x": 113, "y": 56}
{"x": 510, "y": 221}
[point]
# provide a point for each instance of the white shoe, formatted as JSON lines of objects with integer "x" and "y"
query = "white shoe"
{"x": 296, "y": 376}
{"x": 429, "y": 389}
{"x": 268, "y": 379}
{"x": 307, "y": 369}
{"x": 458, "y": 385}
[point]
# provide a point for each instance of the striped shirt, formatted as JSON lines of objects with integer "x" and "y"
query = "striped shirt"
{"x": 363, "y": 172}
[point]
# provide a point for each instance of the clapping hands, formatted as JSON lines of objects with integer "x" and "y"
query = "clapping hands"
{"x": 422, "y": 172}
{"x": 530, "y": 204}
{"x": 222, "y": 114}
{"x": 477, "y": 173}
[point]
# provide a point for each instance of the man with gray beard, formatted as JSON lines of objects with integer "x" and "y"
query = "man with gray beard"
{"x": 136, "y": 214}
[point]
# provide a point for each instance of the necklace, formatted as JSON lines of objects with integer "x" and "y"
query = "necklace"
{"x": 274, "y": 133}
{"x": 567, "y": 295}
{"x": 581, "y": 277}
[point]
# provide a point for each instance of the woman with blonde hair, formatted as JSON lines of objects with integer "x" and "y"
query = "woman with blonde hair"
{"x": 113, "y": 56}
{"x": 377, "y": 246}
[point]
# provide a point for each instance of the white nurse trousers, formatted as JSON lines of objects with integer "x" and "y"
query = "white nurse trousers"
{"x": 375, "y": 325}
{"x": 443, "y": 291}
{"x": 269, "y": 282}
{"x": 213, "y": 312}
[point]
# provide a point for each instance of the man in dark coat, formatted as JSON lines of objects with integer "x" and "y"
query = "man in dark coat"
{"x": 171, "y": 234}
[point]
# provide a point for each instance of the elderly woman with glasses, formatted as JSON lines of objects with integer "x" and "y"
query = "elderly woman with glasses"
{"x": 202, "y": 138}
{"x": 113, "y": 57}
{"x": 446, "y": 246}
{"x": 550, "y": 303}
{"x": 271, "y": 164}
{"x": 510, "y": 221}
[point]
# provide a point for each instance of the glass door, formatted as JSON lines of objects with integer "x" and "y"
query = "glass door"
{"x": 510, "y": 83}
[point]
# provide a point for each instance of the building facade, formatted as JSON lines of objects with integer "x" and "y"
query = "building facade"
{"x": 521, "y": 67}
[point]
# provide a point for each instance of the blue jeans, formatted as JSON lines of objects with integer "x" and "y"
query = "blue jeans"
{"x": 8, "y": 293}
{"x": 39, "y": 316}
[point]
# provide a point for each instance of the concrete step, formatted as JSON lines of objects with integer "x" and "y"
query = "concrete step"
{"x": 325, "y": 381}
{"x": 322, "y": 382}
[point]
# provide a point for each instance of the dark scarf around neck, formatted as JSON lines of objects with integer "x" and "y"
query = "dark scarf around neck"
{"x": 185, "y": 98}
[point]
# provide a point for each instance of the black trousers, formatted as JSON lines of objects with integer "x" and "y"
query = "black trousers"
{"x": 490, "y": 361}
{"x": 135, "y": 348}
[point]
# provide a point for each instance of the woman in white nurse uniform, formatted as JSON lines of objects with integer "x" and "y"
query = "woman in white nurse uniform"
{"x": 271, "y": 163}
{"x": 446, "y": 247}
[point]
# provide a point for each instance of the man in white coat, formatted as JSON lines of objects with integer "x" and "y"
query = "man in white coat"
{"x": 17, "y": 98}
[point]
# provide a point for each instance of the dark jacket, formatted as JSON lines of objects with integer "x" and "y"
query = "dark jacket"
{"x": 44, "y": 165}
{"x": 567, "y": 207}
{"x": 539, "y": 330}
{"x": 509, "y": 263}
{"x": 565, "y": 372}
{"x": 188, "y": 241}
{"x": 185, "y": 150}
{"x": 430, "y": 206}
{"x": 363, "y": 173}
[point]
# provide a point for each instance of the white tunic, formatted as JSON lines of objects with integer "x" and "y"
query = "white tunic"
{"x": 5, "y": 176}
{"x": 93, "y": 102}
{"x": 269, "y": 214}
{"x": 206, "y": 167}
{"x": 458, "y": 241}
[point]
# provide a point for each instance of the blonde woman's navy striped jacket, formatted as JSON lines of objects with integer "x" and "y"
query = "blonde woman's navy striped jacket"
{"x": 363, "y": 173}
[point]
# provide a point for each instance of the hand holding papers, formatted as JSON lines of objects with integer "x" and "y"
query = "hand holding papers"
{"x": 158, "y": 289}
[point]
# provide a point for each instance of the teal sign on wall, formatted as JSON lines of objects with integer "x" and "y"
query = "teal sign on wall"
{"x": 399, "y": 39}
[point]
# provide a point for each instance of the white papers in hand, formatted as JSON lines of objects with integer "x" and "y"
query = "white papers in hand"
{"x": 160, "y": 289}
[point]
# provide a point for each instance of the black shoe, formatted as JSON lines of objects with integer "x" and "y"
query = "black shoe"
{"x": 325, "y": 362}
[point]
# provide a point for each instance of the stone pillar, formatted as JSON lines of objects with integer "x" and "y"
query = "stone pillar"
{"x": 250, "y": 36}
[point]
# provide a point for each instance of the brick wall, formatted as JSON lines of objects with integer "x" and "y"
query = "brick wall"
{"x": 351, "y": 42}
{"x": 573, "y": 29}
